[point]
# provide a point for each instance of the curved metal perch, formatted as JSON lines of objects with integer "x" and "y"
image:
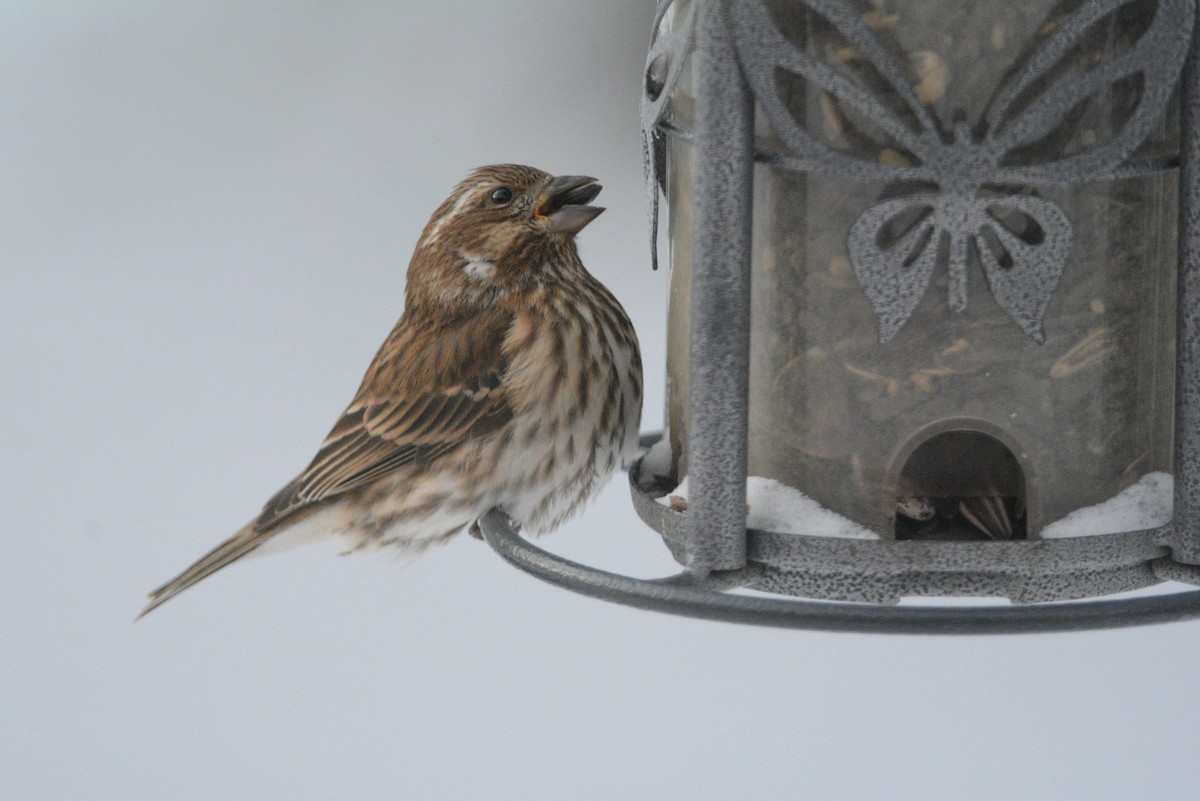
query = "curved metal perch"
{"x": 700, "y": 597}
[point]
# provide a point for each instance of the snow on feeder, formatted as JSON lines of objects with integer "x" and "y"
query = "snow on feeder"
{"x": 934, "y": 301}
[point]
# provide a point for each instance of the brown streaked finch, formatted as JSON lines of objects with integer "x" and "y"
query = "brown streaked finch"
{"x": 512, "y": 381}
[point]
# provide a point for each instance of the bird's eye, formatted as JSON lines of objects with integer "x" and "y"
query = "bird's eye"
{"x": 502, "y": 196}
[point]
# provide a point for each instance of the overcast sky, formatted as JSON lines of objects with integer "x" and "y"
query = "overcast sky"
{"x": 208, "y": 209}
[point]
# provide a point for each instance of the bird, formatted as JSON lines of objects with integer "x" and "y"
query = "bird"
{"x": 512, "y": 380}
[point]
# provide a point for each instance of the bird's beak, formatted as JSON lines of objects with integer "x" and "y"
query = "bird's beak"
{"x": 564, "y": 201}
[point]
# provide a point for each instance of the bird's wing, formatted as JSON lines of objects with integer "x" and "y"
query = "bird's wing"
{"x": 434, "y": 385}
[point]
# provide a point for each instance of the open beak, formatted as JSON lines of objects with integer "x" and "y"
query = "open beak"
{"x": 564, "y": 201}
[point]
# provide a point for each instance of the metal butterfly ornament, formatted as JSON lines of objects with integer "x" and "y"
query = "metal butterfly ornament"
{"x": 977, "y": 198}
{"x": 1022, "y": 241}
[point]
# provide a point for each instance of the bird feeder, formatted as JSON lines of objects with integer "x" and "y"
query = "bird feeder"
{"x": 934, "y": 321}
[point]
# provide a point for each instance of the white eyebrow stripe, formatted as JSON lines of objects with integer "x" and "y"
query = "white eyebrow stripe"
{"x": 458, "y": 206}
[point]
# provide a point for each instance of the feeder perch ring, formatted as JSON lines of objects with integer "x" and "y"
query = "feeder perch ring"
{"x": 688, "y": 595}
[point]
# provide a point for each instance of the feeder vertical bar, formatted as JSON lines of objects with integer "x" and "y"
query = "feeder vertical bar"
{"x": 720, "y": 313}
{"x": 1185, "y": 539}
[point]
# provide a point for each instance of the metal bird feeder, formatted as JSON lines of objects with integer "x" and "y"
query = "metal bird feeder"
{"x": 935, "y": 279}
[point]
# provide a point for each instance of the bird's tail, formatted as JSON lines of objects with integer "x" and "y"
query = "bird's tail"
{"x": 229, "y": 551}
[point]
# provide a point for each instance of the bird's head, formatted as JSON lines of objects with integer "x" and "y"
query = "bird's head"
{"x": 504, "y": 227}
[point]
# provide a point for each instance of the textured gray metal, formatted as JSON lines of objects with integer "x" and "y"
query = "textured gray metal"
{"x": 1185, "y": 538}
{"x": 1158, "y": 56}
{"x": 691, "y": 596}
{"x": 720, "y": 297}
{"x": 895, "y": 277}
{"x": 884, "y": 571}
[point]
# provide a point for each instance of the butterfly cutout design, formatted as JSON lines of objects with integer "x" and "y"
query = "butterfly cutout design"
{"x": 980, "y": 178}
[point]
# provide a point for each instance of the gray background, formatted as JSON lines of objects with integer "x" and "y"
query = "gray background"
{"x": 207, "y": 213}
